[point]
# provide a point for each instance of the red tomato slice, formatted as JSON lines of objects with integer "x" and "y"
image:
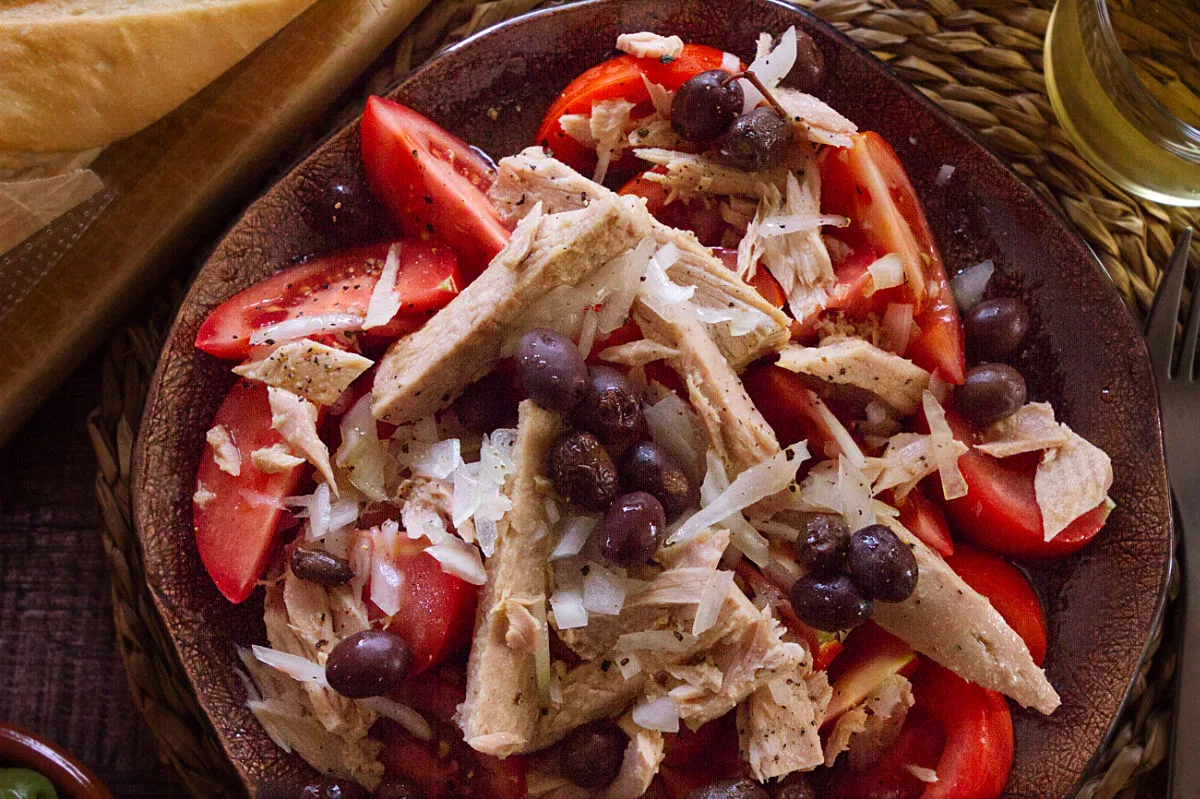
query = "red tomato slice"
{"x": 337, "y": 283}
{"x": 695, "y": 215}
{"x": 1009, "y": 592}
{"x": 431, "y": 181}
{"x": 437, "y": 611}
{"x": 920, "y": 743}
{"x": 978, "y": 754}
{"x": 925, "y": 520}
{"x": 1000, "y": 511}
{"x": 788, "y": 405}
{"x": 237, "y": 526}
{"x": 762, "y": 281}
{"x": 692, "y": 759}
{"x": 867, "y": 183}
{"x": 618, "y": 78}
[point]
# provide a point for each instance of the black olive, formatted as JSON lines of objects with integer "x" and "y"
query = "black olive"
{"x": 706, "y": 105}
{"x": 394, "y": 787}
{"x": 756, "y": 140}
{"x": 318, "y": 566}
{"x": 610, "y": 408}
{"x": 551, "y": 370}
{"x": 829, "y": 603}
{"x": 996, "y": 328}
{"x": 632, "y": 528}
{"x": 368, "y": 663}
{"x": 823, "y": 544}
{"x": 740, "y": 788}
{"x": 991, "y": 392}
{"x": 883, "y": 568}
{"x": 487, "y": 404}
{"x": 648, "y": 467}
{"x": 793, "y": 786}
{"x": 582, "y": 470}
{"x": 591, "y": 755}
{"x": 808, "y": 73}
{"x": 330, "y": 788}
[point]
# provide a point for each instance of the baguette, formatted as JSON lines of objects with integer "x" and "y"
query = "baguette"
{"x": 80, "y": 74}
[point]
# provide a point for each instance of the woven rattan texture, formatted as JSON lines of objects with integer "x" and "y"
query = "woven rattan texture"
{"x": 980, "y": 60}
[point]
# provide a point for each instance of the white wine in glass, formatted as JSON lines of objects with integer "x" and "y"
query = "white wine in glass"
{"x": 1124, "y": 79}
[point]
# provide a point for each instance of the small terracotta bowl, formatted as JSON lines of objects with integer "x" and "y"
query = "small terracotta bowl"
{"x": 22, "y": 749}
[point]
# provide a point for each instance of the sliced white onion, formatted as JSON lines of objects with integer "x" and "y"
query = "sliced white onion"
{"x": 575, "y": 532}
{"x": 758, "y": 482}
{"x": 460, "y": 559}
{"x": 319, "y": 512}
{"x": 819, "y": 490}
{"x": 305, "y": 326}
{"x": 360, "y": 561}
{"x": 294, "y": 666}
{"x": 673, "y": 424}
{"x": 954, "y": 485}
{"x": 660, "y": 96}
{"x": 422, "y": 521}
{"x": 362, "y": 451}
{"x": 466, "y": 493}
{"x": 439, "y": 460}
{"x": 970, "y": 284}
{"x": 553, "y": 514}
{"x": 385, "y": 300}
{"x": 770, "y": 67}
{"x": 567, "y": 604}
{"x": 886, "y": 272}
{"x": 896, "y": 328}
{"x": 743, "y": 536}
{"x": 629, "y": 666}
{"x": 926, "y": 775}
{"x": 342, "y": 514}
{"x": 661, "y": 714}
{"x": 603, "y": 591}
{"x": 944, "y": 173}
{"x": 939, "y": 387}
{"x": 730, "y": 62}
{"x": 587, "y": 332}
{"x": 741, "y": 320}
{"x": 846, "y": 443}
{"x": 783, "y": 224}
{"x": 412, "y": 721}
{"x": 711, "y": 599}
{"x": 658, "y": 287}
{"x": 387, "y": 582}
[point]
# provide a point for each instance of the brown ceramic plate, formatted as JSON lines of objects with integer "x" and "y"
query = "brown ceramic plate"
{"x": 1086, "y": 356}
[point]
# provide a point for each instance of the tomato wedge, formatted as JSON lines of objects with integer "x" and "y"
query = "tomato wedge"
{"x": 694, "y": 758}
{"x": 236, "y": 517}
{"x": 866, "y": 183}
{"x": 789, "y": 406}
{"x": 618, "y": 78}
{"x": 1009, "y": 592}
{"x": 978, "y": 754}
{"x": 1000, "y": 511}
{"x": 925, "y": 520}
{"x": 920, "y": 743}
{"x": 432, "y": 182}
{"x": 437, "y": 609}
{"x": 337, "y": 286}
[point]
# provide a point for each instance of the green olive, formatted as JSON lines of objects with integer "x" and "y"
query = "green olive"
{"x": 22, "y": 783}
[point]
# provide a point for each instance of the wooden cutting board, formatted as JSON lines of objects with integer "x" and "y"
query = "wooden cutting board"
{"x": 168, "y": 187}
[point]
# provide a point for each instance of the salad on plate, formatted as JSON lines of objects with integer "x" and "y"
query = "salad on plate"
{"x": 661, "y": 458}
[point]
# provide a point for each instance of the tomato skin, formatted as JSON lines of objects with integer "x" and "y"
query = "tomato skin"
{"x": 692, "y": 759}
{"x": 1009, "y": 592}
{"x": 978, "y": 754}
{"x": 338, "y": 282}
{"x": 867, "y": 183}
{"x": 437, "y": 614}
{"x": 237, "y": 528}
{"x": 617, "y": 78}
{"x": 924, "y": 519}
{"x": 921, "y": 741}
{"x": 1000, "y": 510}
{"x": 431, "y": 181}
{"x": 788, "y": 405}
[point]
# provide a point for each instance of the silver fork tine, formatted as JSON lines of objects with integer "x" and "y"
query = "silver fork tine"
{"x": 1160, "y": 330}
{"x": 1193, "y": 329}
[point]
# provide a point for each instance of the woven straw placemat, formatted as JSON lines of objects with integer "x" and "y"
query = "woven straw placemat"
{"x": 980, "y": 60}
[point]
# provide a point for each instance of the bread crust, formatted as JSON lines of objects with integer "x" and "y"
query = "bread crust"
{"x": 74, "y": 81}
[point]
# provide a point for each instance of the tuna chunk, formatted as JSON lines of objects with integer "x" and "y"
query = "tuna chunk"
{"x": 312, "y": 370}
{"x": 650, "y": 45}
{"x": 532, "y": 176}
{"x": 1070, "y": 481}
{"x": 950, "y": 622}
{"x": 868, "y": 730}
{"x": 1030, "y": 429}
{"x": 736, "y": 429}
{"x": 424, "y": 371}
{"x": 296, "y": 420}
{"x": 502, "y": 707}
{"x": 853, "y": 362}
{"x": 777, "y": 725}
{"x": 643, "y": 755}
{"x": 592, "y": 690}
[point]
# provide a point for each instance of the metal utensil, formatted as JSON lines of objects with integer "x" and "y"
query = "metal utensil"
{"x": 1179, "y": 395}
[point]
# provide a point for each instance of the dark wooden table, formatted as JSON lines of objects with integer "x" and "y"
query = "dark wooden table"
{"x": 60, "y": 673}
